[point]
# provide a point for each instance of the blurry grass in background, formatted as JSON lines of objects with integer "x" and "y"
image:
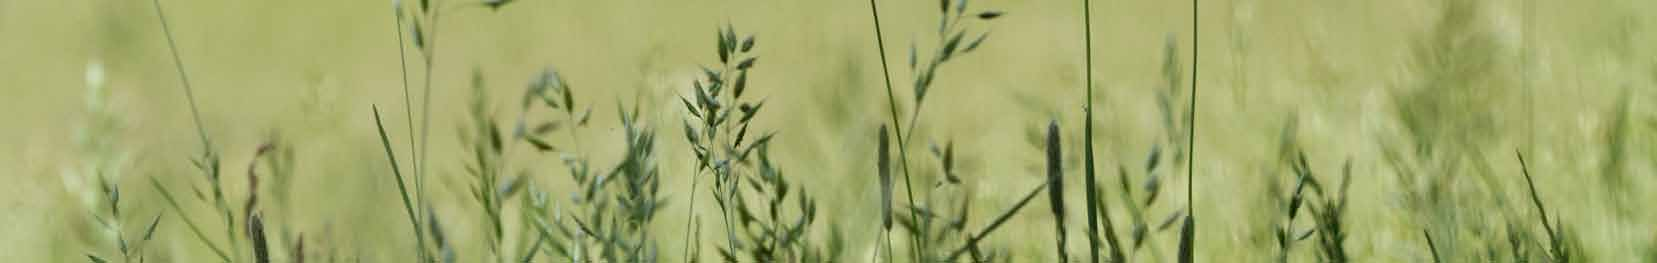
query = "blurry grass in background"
{"x": 1425, "y": 98}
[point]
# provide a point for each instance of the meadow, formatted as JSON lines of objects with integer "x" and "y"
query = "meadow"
{"x": 828, "y": 131}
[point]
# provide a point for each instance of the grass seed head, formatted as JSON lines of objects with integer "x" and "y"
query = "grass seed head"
{"x": 885, "y": 171}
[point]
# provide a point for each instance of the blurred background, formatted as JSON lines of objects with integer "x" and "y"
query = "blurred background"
{"x": 1427, "y": 102}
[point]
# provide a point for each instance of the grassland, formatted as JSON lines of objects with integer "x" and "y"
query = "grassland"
{"x": 1422, "y": 103}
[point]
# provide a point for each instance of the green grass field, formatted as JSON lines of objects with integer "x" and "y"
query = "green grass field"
{"x": 1421, "y": 106}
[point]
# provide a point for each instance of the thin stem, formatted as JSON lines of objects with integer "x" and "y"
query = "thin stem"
{"x": 191, "y": 224}
{"x": 183, "y": 77}
{"x": 888, "y": 235}
{"x": 914, "y": 117}
{"x": 1087, "y": 141}
{"x": 690, "y": 216}
{"x": 1431, "y": 248}
{"x": 425, "y": 117}
{"x": 408, "y": 112}
{"x": 1534, "y": 198}
{"x": 1191, "y": 128}
{"x": 229, "y": 223}
{"x": 874, "y": 10}
{"x": 973, "y": 240}
{"x": 731, "y": 189}
{"x": 408, "y": 206}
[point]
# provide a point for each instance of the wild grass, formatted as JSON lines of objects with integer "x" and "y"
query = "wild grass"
{"x": 717, "y": 133}
{"x": 1325, "y": 207}
{"x": 423, "y": 22}
{"x": 926, "y": 224}
{"x": 1188, "y": 229}
{"x": 1140, "y": 200}
{"x": 207, "y": 162}
{"x": 96, "y": 179}
{"x": 1055, "y": 187}
{"x": 1560, "y": 243}
{"x": 608, "y": 212}
{"x": 488, "y": 151}
{"x": 1090, "y": 186}
{"x": 402, "y": 189}
{"x": 1448, "y": 114}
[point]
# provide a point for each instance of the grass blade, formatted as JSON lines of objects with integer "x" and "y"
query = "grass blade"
{"x": 1087, "y": 140}
{"x": 891, "y": 99}
{"x": 1110, "y": 228}
{"x": 402, "y": 189}
{"x": 1001, "y": 219}
{"x": 183, "y": 76}
{"x": 191, "y": 224}
{"x": 1188, "y": 233}
{"x": 1431, "y": 248}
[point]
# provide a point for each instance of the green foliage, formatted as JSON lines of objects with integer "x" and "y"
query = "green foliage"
{"x": 1447, "y": 116}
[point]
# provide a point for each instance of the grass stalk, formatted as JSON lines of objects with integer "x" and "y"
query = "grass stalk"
{"x": 408, "y": 114}
{"x": 891, "y": 99}
{"x": 1431, "y": 248}
{"x": 425, "y": 122}
{"x": 1542, "y": 212}
{"x": 189, "y": 224}
{"x": 183, "y": 76}
{"x": 1187, "y": 241}
{"x": 1557, "y": 249}
{"x": 973, "y": 239}
{"x": 1110, "y": 228}
{"x": 397, "y": 174}
{"x": 209, "y": 159}
{"x": 1087, "y": 135}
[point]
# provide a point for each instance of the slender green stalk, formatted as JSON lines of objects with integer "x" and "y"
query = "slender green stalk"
{"x": 408, "y": 113}
{"x": 1087, "y": 134}
{"x": 201, "y": 131}
{"x": 1188, "y": 230}
{"x": 891, "y": 99}
{"x": 1556, "y": 250}
{"x": 1110, "y": 227}
{"x": 425, "y": 116}
{"x": 994, "y": 224}
{"x": 1431, "y": 248}
{"x": 183, "y": 77}
{"x": 408, "y": 206}
{"x": 191, "y": 224}
{"x": 1191, "y": 129}
{"x": 690, "y": 220}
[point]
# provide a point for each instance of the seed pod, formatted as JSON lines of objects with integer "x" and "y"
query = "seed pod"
{"x": 1055, "y": 186}
{"x": 256, "y": 232}
{"x": 1055, "y": 180}
{"x": 885, "y": 163}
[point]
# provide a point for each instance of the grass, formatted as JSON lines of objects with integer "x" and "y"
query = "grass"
{"x": 402, "y": 189}
{"x": 1055, "y": 188}
{"x": 776, "y": 181}
{"x": 1558, "y": 247}
{"x": 951, "y": 43}
{"x": 717, "y": 134}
